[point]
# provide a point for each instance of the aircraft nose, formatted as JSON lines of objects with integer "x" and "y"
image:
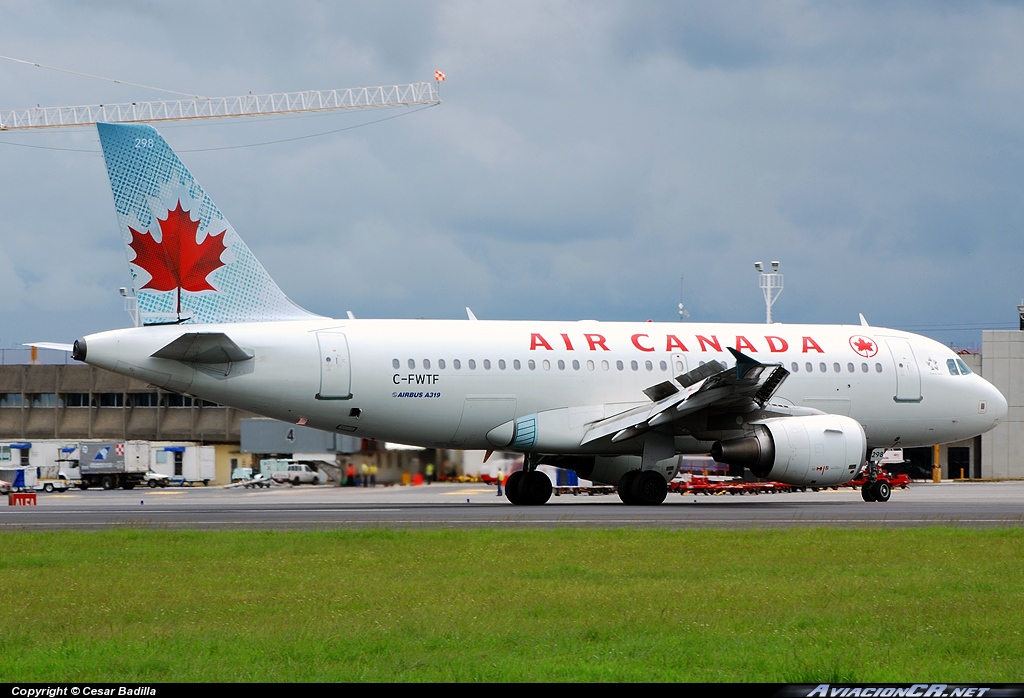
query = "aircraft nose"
{"x": 993, "y": 404}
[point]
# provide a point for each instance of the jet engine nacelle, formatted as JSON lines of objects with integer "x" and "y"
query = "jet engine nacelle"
{"x": 819, "y": 450}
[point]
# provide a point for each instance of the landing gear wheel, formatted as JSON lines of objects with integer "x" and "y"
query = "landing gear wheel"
{"x": 882, "y": 490}
{"x": 625, "y": 487}
{"x": 867, "y": 491}
{"x": 535, "y": 488}
{"x": 512, "y": 492}
{"x": 650, "y": 488}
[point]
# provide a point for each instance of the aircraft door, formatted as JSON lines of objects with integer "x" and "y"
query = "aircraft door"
{"x": 335, "y": 367}
{"x": 908, "y": 376}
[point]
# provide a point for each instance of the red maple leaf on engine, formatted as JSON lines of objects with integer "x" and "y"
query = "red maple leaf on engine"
{"x": 178, "y": 261}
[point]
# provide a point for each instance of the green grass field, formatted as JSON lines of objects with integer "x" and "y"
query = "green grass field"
{"x": 794, "y": 606}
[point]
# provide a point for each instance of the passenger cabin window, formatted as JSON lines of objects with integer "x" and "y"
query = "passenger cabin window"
{"x": 501, "y": 364}
{"x": 395, "y": 363}
{"x": 487, "y": 364}
{"x": 456, "y": 364}
{"x": 472, "y": 364}
{"x": 426, "y": 364}
{"x": 864, "y": 368}
{"x": 809, "y": 366}
{"x": 412, "y": 363}
{"x": 849, "y": 367}
{"x": 561, "y": 365}
{"x": 575, "y": 365}
{"x": 532, "y": 364}
{"x": 878, "y": 368}
{"x": 440, "y": 364}
{"x": 516, "y": 364}
{"x": 796, "y": 367}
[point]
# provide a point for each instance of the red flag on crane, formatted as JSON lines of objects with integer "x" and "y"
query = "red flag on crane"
{"x": 438, "y": 76}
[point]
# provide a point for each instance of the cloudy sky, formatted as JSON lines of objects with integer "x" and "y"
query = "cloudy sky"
{"x": 589, "y": 159}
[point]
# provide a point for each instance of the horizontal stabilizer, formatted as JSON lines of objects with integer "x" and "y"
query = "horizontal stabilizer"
{"x": 51, "y": 345}
{"x": 203, "y": 348}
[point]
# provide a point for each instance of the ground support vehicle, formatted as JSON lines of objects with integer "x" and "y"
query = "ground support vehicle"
{"x": 295, "y": 472}
{"x": 703, "y": 484}
{"x": 58, "y": 485}
{"x": 902, "y": 480}
{"x": 155, "y": 479}
{"x": 589, "y": 490}
{"x": 260, "y": 481}
{"x": 111, "y": 465}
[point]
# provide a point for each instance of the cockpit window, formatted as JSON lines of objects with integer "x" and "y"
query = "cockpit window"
{"x": 963, "y": 367}
{"x": 951, "y": 365}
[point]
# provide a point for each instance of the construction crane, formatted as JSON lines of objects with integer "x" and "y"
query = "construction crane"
{"x": 417, "y": 93}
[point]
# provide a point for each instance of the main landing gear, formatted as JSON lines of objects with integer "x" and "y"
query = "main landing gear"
{"x": 643, "y": 487}
{"x": 528, "y": 486}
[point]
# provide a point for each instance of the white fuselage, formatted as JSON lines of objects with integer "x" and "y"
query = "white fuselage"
{"x": 441, "y": 383}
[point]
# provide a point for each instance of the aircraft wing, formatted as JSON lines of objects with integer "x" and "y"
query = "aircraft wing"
{"x": 747, "y": 386}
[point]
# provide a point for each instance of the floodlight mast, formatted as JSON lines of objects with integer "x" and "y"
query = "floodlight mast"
{"x": 771, "y": 286}
{"x": 419, "y": 93}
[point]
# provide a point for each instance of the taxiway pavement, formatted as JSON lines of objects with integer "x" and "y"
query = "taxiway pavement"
{"x": 971, "y": 504}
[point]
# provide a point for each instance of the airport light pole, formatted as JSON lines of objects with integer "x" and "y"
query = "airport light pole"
{"x": 771, "y": 286}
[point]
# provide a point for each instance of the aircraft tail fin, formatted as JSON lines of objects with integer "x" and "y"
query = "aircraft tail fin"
{"x": 188, "y": 264}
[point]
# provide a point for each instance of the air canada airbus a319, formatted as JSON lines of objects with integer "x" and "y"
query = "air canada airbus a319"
{"x": 615, "y": 401}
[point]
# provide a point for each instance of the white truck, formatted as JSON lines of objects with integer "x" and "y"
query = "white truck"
{"x": 185, "y": 464}
{"x": 293, "y": 471}
{"x": 110, "y": 464}
{"x": 50, "y": 478}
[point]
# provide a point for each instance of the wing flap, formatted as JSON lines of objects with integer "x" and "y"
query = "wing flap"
{"x": 711, "y": 385}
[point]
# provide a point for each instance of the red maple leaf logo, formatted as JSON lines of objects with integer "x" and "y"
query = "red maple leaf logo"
{"x": 178, "y": 261}
{"x": 863, "y": 346}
